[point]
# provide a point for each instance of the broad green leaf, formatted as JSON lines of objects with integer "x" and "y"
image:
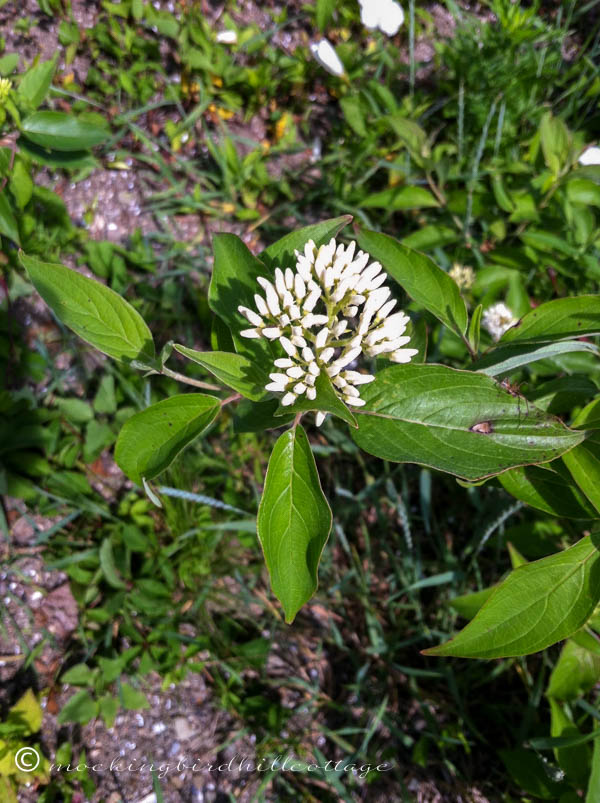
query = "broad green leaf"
{"x": 564, "y": 394}
{"x": 548, "y": 488}
{"x": 507, "y": 359}
{"x": 233, "y": 283}
{"x": 8, "y": 222}
{"x": 152, "y": 439}
{"x": 21, "y": 184}
{"x": 420, "y": 277}
{"x": 429, "y": 237}
{"x": 258, "y": 416}
{"x": 532, "y": 773}
{"x": 96, "y": 313}
{"x": 79, "y": 708}
{"x": 460, "y": 422}
{"x": 133, "y": 699}
{"x": 537, "y": 605}
{"x": 400, "y": 198}
{"x": 583, "y": 191}
{"x": 554, "y": 137}
{"x": 78, "y": 675}
{"x": 62, "y": 132}
{"x": 589, "y": 417}
{"x": 326, "y": 400}
{"x": 560, "y": 319}
{"x": 234, "y": 370}
{"x": 575, "y": 673}
{"x": 36, "y": 82}
{"x": 27, "y": 713}
{"x": 281, "y": 253}
{"x": 468, "y": 605}
{"x": 547, "y": 242}
{"x": 352, "y": 110}
{"x": 55, "y": 157}
{"x": 584, "y": 464}
{"x": 293, "y": 522}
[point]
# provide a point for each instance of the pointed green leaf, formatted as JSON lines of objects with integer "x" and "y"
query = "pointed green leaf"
{"x": 537, "y": 605}
{"x": 420, "y": 277}
{"x": 575, "y": 673}
{"x": 8, "y": 222}
{"x": 62, "y": 132}
{"x": 456, "y": 421}
{"x": 258, "y": 416}
{"x": 96, "y": 313}
{"x": 36, "y": 82}
{"x": 560, "y": 319}
{"x": 326, "y": 400}
{"x": 549, "y": 488}
{"x": 509, "y": 358}
{"x": 152, "y": 439}
{"x": 584, "y": 464}
{"x": 233, "y": 370}
{"x": 395, "y": 198}
{"x": 294, "y": 521}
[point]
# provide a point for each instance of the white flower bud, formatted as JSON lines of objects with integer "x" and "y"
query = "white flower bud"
{"x": 358, "y": 379}
{"x": 289, "y": 278}
{"x": 250, "y": 333}
{"x": 303, "y": 266}
{"x": 300, "y": 388}
{"x": 295, "y": 372}
{"x": 349, "y": 390}
{"x": 340, "y": 327}
{"x": 284, "y": 319}
{"x": 311, "y": 301}
{"x": 376, "y": 299}
{"x": 299, "y": 287}
{"x": 326, "y": 354}
{"x": 311, "y": 394}
{"x": 272, "y": 298}
{"x": 403, "y": 355}
{"x": 298, "y": 341}
{"x": 251, "y": 316}
{"x": 294, "y": 312}
{"x": 288, "y": 399}
{"x": 261, "y": 304}
{"x": 386, "y": 309}
{"x": 280, "y": 283}
{"x": 309, "y": 380}
{"x": 288, "y": 346}
{"x": 307, "y": 354}
{"x": 313, "y": 369}
{"x": 284, "y": 362}
{"x": 350, "y": 311}
{"x": 354, "y": 401}
{"x": 272, "y": 332}
{"x": 320, "y": 417}
{"x": 321, "y": 338}
{"x": 275, "y": 387}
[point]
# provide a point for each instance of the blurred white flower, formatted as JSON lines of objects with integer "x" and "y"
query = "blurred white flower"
{"x": 497, "y": 319}
{"x": 227, "y": 37}
{"x": 463, "y": 275}
{"x": 387, "y": 15}
{"x": 324, "y": 53}
{"x": 590, "y": 156}
{"x": 325, "y": 314}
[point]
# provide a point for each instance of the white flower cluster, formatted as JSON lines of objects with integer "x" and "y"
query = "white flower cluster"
{"x": 325, "y": 314}
{"x": 497, "y": 319}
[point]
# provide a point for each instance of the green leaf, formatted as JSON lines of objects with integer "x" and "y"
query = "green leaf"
{"x": 21, "y": 184}
{"x": 548, "y": 488}
{"x": 535, "y": 606}
{"x": 564, "y": 394}
{"x": 152, "y": 439}
{"x": 233, "y": 283}
{"x": 531, "y": 773}
{"x": 468, "y": 605}
{"x": 584, "y": 464}
{"x": 395, "y": 198}
{"x": 554, "y": 137}
{"x": 56, "y": 158}
{"x": 430, "y": 237}
{"x": 324, "y": 12}
{"x": 233, "y": 370}
{"x": 460, "y": 422}
{"x": 575, "y": 673}
{"x": 560, "y": 319}
{"x": 96, "y": 313}
{"x": 474, "y": 331}
{"x": 293, "y": 522}
{"x": 108, "y": 565}
{"x": 27, "y": 713}
{"x": 62, "y": 132}
{"x": 420, "y": 277}
{"x": 79, "y": 708}
{"x": 593, "y": 789}
{"x": 326, "y": 400}
{"x": 258, "y": 416}
{"x": 8, "y": 222}
{"x": 108, "y": 707}
{"x": 281, "y": 253}
{"x": 353, "y": 113}
{"x": 36, "y": 82}
{"x": 132, "y": 699}
{"x": 507, "y": 359}
{"x": 78, "y": 675}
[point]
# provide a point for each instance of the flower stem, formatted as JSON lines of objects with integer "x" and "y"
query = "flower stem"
{"x": 186, "y": 379}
